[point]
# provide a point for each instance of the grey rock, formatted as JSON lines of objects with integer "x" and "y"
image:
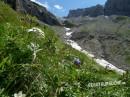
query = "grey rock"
{"x": 112, "y": 7}
{"x": 117, "y": 7}
{"x": 106, "y": 39}
{"x": 29, "y": 7}
{"x": 91, "y": 11}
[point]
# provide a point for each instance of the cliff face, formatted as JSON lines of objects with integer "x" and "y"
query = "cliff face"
{"x": 91, "y": 11}
{"x": 117, "y": 7}
{"x": 29, "y": 7}
{"x": 112, "y": 7}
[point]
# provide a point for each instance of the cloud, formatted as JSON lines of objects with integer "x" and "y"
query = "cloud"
{"x": 58, "y": 6}
{"x": 45, "y": 4}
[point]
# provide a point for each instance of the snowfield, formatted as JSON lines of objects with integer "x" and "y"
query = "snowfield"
{"x": 101, "y": 62}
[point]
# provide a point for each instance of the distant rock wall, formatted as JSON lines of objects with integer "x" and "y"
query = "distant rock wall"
{"x": 117, "y": 7}
{"x": 112, "y": 7}
{"x": 29, "y": 7}
{"x": 91, "y": 11}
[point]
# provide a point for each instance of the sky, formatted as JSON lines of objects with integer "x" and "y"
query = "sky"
{"x": 61, "y": 7}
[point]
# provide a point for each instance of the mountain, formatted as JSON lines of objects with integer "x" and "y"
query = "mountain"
{"x": 112, "y": 7}
{"x": 117, "y": 7}
{"x": 106, "y": 37}
{"x": 91, "y": 11}
{"x": 32, "y": 8}
{"x": 34, "y": 62}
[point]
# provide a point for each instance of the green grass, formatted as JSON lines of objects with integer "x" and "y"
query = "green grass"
{"x": 53, "y": 73}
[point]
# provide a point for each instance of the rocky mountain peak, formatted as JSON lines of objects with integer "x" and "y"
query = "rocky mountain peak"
{"x": 32, "y": 8}
{"x": 91, "y": 11}
{"x": 117, "y": 7}
{"x": 112, "y": 7}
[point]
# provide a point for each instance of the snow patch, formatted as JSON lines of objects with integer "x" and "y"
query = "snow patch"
{"x": 74, "y": 45}
{"x": 87, "y": 53}
{"x": 101, "y": 62}
{"x": 68, "y": 33}
{"x": 109, "y": 66}
{"x": 67, "y": 29}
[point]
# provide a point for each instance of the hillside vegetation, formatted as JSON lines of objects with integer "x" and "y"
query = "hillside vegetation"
{"x": 40, "y": 65}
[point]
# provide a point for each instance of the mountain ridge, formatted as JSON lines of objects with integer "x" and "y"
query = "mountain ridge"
{"x": 34, "y": 9}
{"x": 90, "y": 11}
{"x": 111, "y": 7}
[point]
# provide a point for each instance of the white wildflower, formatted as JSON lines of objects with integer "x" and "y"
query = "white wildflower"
{"x": 33, "y": 46}
{"x": 37, "y": 30}
{"x": 8, "y": 25}
{"x": 35, "y": 49}
{"x": 20, "y": 94}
